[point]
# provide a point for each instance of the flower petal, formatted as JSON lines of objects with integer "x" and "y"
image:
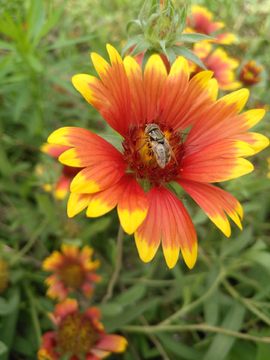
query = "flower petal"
{"x": 114, "y": 343}
{"x": 70, "y": 251}
{"x": 98, "y": 177}
{"x": 77, "y": 203}
{"x": 62, "y": 187}
{"x": 46, "y": 350}
{"x": 155, "y": 75}
{"x": 53, "y": 150}
{"x": 83, "y": 156}
{"x": 168, "y": 218}
{"x": 93, "y": 313}
{"x": 115, "y": 80}
{"x": 67, "y": 307}
{"x": 218, "y": 162}
{"x": 173, "y": 90}
{"x": 53, "y": 262}
{"x": 201, "y": 93}
{"x": 210, "y": 129}
{"x": 214, "y": 201}
{"x": 101, "y": 354}
{"x": 137, "y": 91}
{"x": 225, "y": 38}
{"x": 132, "y": 206}
{"x": 258, "y": 142}
{"x": 73, "y": 136}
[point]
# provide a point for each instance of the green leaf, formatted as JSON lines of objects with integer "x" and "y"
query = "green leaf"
{"x": 131, "y": 42}
{"x": 177, "y": 347}
{"x": 211, "y": 305}
{"x": 69, "y": 42}
{"x": 193, "y": 38}
{"x": 110, "y": 309}
{"x": 261, "y": 258}
{"x": 171, "y": 56}
{"x": 131, "y": 22}
{"x": 188, "y": 54}
{"x": 113, "y": 323}
{"x": 3, "y": 348}
{"x": 96, "y": 226}
{"x": 35, "y": 18}
{"x": 51, "y": 21}
{"x": 142, "y": 46}
{"x": 9, "y": 306}
{"x": 221, "y": 344}
{"x": 132, "y": 294}
{"x": 234, "y": 246}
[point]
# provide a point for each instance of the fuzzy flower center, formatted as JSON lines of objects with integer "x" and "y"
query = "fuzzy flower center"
{"x": 76, "y": 335}
{"x": 155, "y": 156}
{"x": 72, "y": 274}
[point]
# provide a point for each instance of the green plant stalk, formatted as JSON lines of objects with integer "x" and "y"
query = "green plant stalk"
{"x": 192, "y": 327}
{"x": 246, "y": 302}
{"x": 33, "y": 312}
{"x": 30, "y": 242}
{"x": 115, "y": 274}
{"x": 187, "y": 308}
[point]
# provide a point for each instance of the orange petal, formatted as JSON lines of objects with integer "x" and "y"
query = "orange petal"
{"x": 200, "y": 94}
{"x": 83, "y": 156}
{"x": 214, "y": 201}
{"x": 173, "y": 90}
{"x": 225, "y": 38}
{"x": 67, "y": 307}
{"x": 97, "y": 354}
{"x": 93, "y": 313}
{"x": 155, "y": 75}
{"x": 53, "y": 262}
{"x": 132, "y": 206}
{"x": 218, "y": 162}
{"x": 98, "y": 177}
{"x": 62, "y": 187}
{"x": 53, "y": 150}
{"x": 137, "y": 91}
{"x": 114, "y": 343}
{"x": 70, "y": 251}
{"x": 218, "y": 128}
{"x": 258, "y": 142}
{"x": 73, "y": 136}
{"x": 115, "y": 81}
{"x": 166, "y": 218}
{"x": 77, "y": 203}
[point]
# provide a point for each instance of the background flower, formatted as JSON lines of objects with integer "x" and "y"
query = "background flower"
{"x": 250, "y": 73}
{"x": 78, "y": 334}
{"x": 73, "y": 270}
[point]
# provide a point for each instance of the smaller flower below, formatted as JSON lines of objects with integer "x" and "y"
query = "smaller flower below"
{"x": 61, "y": 188}
{"x": 78, "y": 335}
{"x": 249, "y": 73}
{"x": 73, "y": 270}
{"x": 219, "y": 62}
{"x": 201, "y": 22}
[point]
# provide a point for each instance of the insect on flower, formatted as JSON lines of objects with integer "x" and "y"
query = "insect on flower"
{"x": 159, "y": 144}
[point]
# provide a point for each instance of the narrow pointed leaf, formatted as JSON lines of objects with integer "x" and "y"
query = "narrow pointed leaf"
{"x": 188, "y": 54}
{"x": 131, "y": 42}
{"x": 142, "y": 46}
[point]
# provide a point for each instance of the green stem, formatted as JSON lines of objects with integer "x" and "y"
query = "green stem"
{"x": 33, "y": 312}
{"x": 30, "y": 242}
{"x": 115, "y": 274}
{"x": 187, "y": 308}
{"x": 246, "y": 302}
{"x": 192, "y": 327}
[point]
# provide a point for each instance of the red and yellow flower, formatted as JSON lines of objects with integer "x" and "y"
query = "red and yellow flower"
{"x": 201, "y": 22}
{"x": 61, "y": 188}
{"x": 219, "y": 62}
{"x": 250, "y": 73}
{"x": 73, "y": 270}
{"x": 78, "y": 334}
{"x": 213, "y": 151}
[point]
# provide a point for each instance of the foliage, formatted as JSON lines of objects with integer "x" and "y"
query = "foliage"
{"x": 220, "y": 309}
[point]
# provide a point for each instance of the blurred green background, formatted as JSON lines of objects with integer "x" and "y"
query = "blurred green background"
{"x": 42, "y": 45}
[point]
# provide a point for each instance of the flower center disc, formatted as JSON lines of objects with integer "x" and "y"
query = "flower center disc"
{"x": 76, "y": 334}
{"x": 141, "y": 154}
{"x": 73, "y": 275}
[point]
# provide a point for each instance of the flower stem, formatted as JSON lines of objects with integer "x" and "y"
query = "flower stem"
{"x": 192, "y": 327}
{"x": 115, "y": 274}
{"x": 187, "y": 308}
{"x": 30, "y": 242}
